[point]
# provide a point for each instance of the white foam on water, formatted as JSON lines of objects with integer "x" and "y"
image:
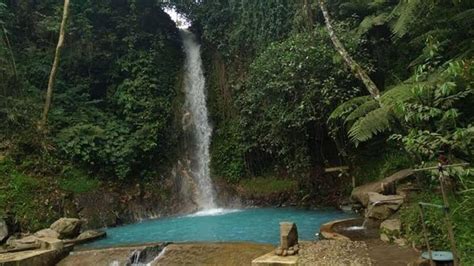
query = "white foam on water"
{"x": 355, "y": 228}
{"x": 213, "y": 212}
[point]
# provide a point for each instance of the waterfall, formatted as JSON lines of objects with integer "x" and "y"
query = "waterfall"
{"x": 196, "y": 120}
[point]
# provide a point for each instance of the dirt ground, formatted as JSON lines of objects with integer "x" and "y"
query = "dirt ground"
{"x": 326, "y": 252}
{"x": 175, "y": 254}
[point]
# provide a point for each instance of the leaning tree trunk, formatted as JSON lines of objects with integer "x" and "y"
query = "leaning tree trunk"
{"x": 12, "y": 57}
{"x": 54, "y": 68}
{"x": 354, "y": 66}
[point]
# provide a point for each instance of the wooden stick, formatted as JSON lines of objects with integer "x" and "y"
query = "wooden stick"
{"x": 425, "y": 233}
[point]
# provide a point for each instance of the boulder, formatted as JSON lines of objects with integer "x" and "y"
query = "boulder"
{"x": 360, "y": 193}
{"x": 390, "y": 230}
{"x": 4, "y": 233}
{"x": 87, "y": 236}
{"x": 25, "y": 242}
{"x": 49, "y": 233}
{"x": 67, "y": 227}
{"x": 381, "y": 207}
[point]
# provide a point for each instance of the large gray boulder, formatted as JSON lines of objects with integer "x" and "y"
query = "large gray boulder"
{"x": 49, "y": 233}
{"x": 67, "y": 228}
{"x": 381, "y": 207}
{"x": 360, "y": 193}
{"x": 4, "y": 233}
{"x": 25, "y": 242}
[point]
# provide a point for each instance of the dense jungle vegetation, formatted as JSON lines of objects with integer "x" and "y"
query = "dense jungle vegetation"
{"x": 283, "y": 102}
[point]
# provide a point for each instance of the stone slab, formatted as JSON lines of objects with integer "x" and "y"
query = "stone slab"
{"x": 270, "y": 259}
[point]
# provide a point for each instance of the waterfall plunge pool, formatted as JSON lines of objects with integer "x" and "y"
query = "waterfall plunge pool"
{"x": 221, "y": 225}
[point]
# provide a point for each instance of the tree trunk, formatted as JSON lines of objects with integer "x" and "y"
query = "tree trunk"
{"x": 353, "y": 65}
{"x": 309, "y": 14}
{"x": 54, "y": 68}
{"x": 12, "y": 57}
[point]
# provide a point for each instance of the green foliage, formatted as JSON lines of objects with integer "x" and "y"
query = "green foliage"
{"x": 369, "y": 167}
{"x": 21, "y": 195}
{"x": 291, "y": 87}
{"x": 435, "y": 123}
{"x": 261, "y": 186}
{"x": 111, "y": 111}
{"x": 462, "y": 216}
{"x": 240, "y": 27}
{"x": 228, "y": 153}
{"x": 77, "y": 181}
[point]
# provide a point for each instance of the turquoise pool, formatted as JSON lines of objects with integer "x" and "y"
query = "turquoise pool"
{"x": 221, "y": 225}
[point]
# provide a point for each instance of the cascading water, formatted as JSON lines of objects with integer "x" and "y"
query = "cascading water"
{"x": 196, "y": 118}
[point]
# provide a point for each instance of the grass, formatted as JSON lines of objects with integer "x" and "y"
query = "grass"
{"x": 461, "y": 218}
{"x": 261, "y": 186}
{"x": 77, "y": 181}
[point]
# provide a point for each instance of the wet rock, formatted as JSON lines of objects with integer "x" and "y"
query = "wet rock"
{"x": 147, "y": 255}
{"x": 91, "y": 234}
{"x": 381, "y": 207}
{"x": 87, "y": 236}
{"x": 361, "y": 193}
{"x": 67, "y": 227}
{"x": 47, "y": 233}
{"x": 4, "y": 232}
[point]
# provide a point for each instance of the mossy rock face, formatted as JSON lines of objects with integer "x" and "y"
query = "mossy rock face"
{"x": 390, "y": 230}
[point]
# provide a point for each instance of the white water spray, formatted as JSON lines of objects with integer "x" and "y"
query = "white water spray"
{"x": 197, "y": 118}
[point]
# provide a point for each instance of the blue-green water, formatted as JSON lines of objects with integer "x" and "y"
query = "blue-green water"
{"x": 254, "y": 225}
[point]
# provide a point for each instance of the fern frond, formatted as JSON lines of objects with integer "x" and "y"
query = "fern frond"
{"x": 346, "y": 107}
{"x": 466, "y": 17}
{"x": 375, "y": 122}
{"x": 362, "y": 110}
{"x": 371, "y": 21}
{"x": 399, "y": 93}
{"x": 405, "y": 15}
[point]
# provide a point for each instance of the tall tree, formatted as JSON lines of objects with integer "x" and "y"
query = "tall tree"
{"x": 54, "y": 68}
{"x": 353, "y": 65}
